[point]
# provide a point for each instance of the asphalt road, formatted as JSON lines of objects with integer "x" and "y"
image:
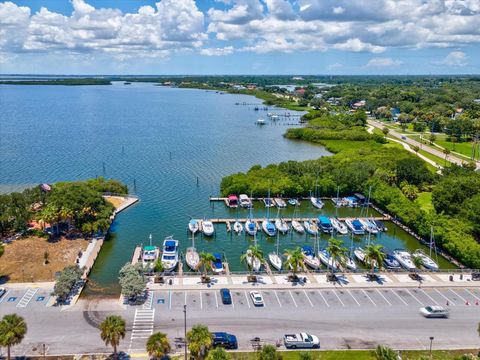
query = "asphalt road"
{"x": 353, "y": 318}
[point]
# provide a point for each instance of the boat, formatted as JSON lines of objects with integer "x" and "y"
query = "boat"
{"x": 339, "y": 226}
{"x": 309, "y": 257}
{"x": 253, "y": 262}
{"x": 355, "y": 226}
{"x": 310, "y": 227}
{"x": 245, "y": 201}
{"x": 293, "y": 202}
{"x": 390, "y": 262}
{"x": 282, "y": 226}
{"x": 359, "y": 254}
{"x": 327, "y": 260}
{"x": 250, "y": 227}
{"x": 237, "y": 227}
{"x": 269, "y": 202}
{"x": 368, "y": 226}
{"x": 297, "y": 226}
{"x": 274, "y": 258}
{"x": 325, "y": 224}
{"x": 150, "y": 255}
{"x": 170, "y": 254}
{"x": 404, "y": 258}
{"x": 339, "y": 202}
{"x": 350, "y": 201}
{"x": 193, "y": 226}
{"x": 350, "y": 263}
{"x": 232, "y": 201}
{"x": 280, "y": 202}
{"x": 217, "y": 264}
{"x": 427, "y": 261}
{"x": 260, "y": 122}
{"x": 316, "y": 202}
{"x": 191, "y": 256}
{"x": 207, "y": 228}
{"x": 269, "y": 228}
{"x": 380, "y": 225}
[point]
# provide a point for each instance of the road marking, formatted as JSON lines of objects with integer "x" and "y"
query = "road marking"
{"x": 264, "y": 302}
{"x": 448, "y": 300}
{"x": 323, "y": 298}
{"x": 414, "y": 297}
{"x": 472, "y": 294}
{"x": 246, "y": 297}
{"x": 276, "y": 295}
{"x": 436, "y": 303}
{"x": 142, "y": 327}
{"x": 338, "y": 297}
{"x": 169, "y": 299}
{"x": 4, "y": 296}
{"x": 310, "y": 301}
{"x": 369, "y": 298}
{"x": 384, "y": 298}
{"x": 201, "y": 301}
{"x": 148, "y": 303}
{"x": 26, "y": 298}
{"x": 291, "y": 295}
{"x": 393, "y": 291}
{"x": 185, "y": 298}
{"x": 216, "y": 299}
{"x": 461, "y": 298}
{"x": 353, "y": 297}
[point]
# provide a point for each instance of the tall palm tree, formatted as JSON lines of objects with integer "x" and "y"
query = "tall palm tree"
{"x": 206, "y": 261}
{"x": 294, "y": 260}
{"x": 254, "y": 252}
{"x": 199, "y": 341}
{"x": 112, "y": 330}
{"x": 12, "y": 331}
{"x": 158, "y": 346}
{"x": 374, "y": 256}
{"x": 337, "y": 252}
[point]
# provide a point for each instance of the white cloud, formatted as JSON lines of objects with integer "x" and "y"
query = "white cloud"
{"x": 338, "y": 10}
{"x": 383, "y": 62}
{"x": 334, "y": 66}
{"x": 455, "y": 58}
{"x": 356, "y": 45}
{"x": 217, "y": 51}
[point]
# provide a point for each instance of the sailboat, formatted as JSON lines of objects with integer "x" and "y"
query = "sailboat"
{"x": 191, "y": 256}
{"x": 427, "y": 260}
{"x": 267, "y": 226}
{"x": 193, "y": 226}
{"x": 296, "y": 225}
{"x": 275, "y": 258}
{"x": 310, "y": 227}
{"x": 237, "y": 227}
{"x": 339, "y": 227}
{"x": 208, "y": 228}
{"x": 253, "y": 262}
{"x": 327, "y": 260}
{"x": 309, "y": 257}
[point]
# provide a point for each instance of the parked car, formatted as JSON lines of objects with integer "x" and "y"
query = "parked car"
{"x": 434, "y": 312}
{"x": 226, "y": 296}
{"x": 225, "y": 340}
{"x": 301, "y": 341}
{"x": 257, "y": 298}
{"x": 2, "y": 292}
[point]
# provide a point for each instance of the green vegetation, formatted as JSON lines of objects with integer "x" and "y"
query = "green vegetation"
{"x": 424, "y": 200}
{"x": 66, "y": 82}
{"x": 65, "y": 282}
{"x": 132, "y": 281}
{"x": 219, "y": 354}
{"x": 112, "y": 330}
{"x": 13, "y": 329}
{"x": 158, "y": 346}
{"x": 199, "y": 341}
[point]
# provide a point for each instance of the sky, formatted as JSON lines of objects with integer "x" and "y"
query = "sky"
{"x": 201, "y": 37}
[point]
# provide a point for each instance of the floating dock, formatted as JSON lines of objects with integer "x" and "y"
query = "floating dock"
{"x": 259, "y": 220}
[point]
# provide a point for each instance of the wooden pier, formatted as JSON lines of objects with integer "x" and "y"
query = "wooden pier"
{"x": 136, "y": 255}
{"x": 258, "y": 221}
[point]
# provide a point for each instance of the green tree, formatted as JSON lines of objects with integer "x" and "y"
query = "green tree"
{"x": 294, "y": 260}
{"x": 218, "y": 354}
{"x": 65, "y": 281}
{"x": 374, "y": 256}
{"x": 385, "y": 131}
{"x": 385, "y": 353}
{"x": 158, "y": 345}
{"x": 268, "y": 352}
{"x": 206, "y": 261}
{"x": 199, "y": 341}
{"x": 112, "y": 330}
{"x": 432, "y": 138}
{"x": 131, "y": 280}
{"x": 254, "y": 252}
{"x": 337, "y": 252}
{"x": 12, "y": 331}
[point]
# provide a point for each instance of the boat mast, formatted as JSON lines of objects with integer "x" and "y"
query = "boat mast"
{"x": 150, "y": 237}
{"x": 278, "y": 238}
{"x": 336, "y": 205}
{"x": 268, "y": 207}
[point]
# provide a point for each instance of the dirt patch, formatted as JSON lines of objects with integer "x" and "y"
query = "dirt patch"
{"x": 23, "y": 260}
{"x": 116, "y": 201}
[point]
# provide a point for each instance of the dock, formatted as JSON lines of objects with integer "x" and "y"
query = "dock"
{"x": 258, "y": 221}
{"x": 136, "y": 255}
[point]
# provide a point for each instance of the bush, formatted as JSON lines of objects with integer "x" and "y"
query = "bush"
{"x": 65, "y": 281}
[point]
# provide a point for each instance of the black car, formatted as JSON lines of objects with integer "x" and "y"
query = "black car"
{"x": 225, "y": 340}
{"x": 226, "y": 296}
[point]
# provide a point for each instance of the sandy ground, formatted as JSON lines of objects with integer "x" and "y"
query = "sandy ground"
{"x": 23, "y": 260}
{"x": 116, "y": 201}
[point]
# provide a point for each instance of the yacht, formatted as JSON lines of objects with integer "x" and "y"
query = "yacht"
{"x": 245, "y": 201}
{"x": 355, "y": 226}
{"x": 250, "y": 227}
{"x": 170, "y": 254}
{"x": 232, "y": 201}
{"x": 282, "y": 226}
{"x": 427, "y": 261}
{"x": 150, "y": 255}
{"x": 404, "y": 258}
{"x": 339, "y": 226}
{"x": 309, "y": 257}
{"x": 390, "y": 262}
{"x": 317, "y": 202}
{"x": 207, "y": 228}
{"x": 193, "y": 226}
{"x": 325, "y": 224}
{"x": 310, "y": 227}
{"x": 269, "y": 228}
{"x": 297, "y": 226}
{"x": 327, "y": 260}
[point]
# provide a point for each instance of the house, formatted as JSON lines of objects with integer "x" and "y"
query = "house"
{"x": 251, "y": 86}
{"x": 358, "y": 104}
{"x": 297, "y": 78}
{"x": 300, "y": 92}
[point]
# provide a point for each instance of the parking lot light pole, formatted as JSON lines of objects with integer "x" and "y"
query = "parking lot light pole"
{"x": 431, "y": 343}
{"x": 185, "y": 328}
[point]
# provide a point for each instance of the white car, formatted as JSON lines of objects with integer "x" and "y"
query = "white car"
{"x": 257, "y": 298}
{"x": 434, "y": 312}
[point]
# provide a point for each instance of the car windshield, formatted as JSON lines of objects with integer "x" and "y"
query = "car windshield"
{"x": 309, "y": 338}
{"x": 428, "y": 308}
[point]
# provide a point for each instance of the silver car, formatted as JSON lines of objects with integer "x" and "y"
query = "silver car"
{"x": 257, "y": 298}
{"x": 434, "y": 312}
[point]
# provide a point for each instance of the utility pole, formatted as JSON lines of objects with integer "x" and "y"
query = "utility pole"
{"x": 185, "y": 328}
{"x": 431, "y": 343}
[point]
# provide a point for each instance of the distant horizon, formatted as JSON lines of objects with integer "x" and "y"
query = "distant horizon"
{"x": 246, "y": 74}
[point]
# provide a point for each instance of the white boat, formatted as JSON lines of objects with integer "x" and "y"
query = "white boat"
{"x": 355, "y": 226}
{"x": 293, "y": 202}
{"x": 245, "y": 201}
{"x": 253, "y": 262}
{"x": 260, "y": 122}
{"x": 317, "y": 202}
{"x": 275, "y": 260}
{"x": 327, "y": 260}
{"x": 368, "y": 226}
{"x": 269, "y": 202}
{"x": 427, "y": 261}
{"x": 237, "y": 227}
{"x": 339, "y": 227}
{"x": 207, "y": 228}
{"x": 250, "y": 227}
{"x": 297, "y": 226}
{"x": 269, "y": 228}
{"x": 282, "y": 226}
{"x": 150, "y": 255}
{"x": 170, "y": 254}
{"x": 310, "y": 227}
{"x": 191, "y": 256}
{"x": 360, "y": 254}
{"x": 350, "y": 264}
{"x": 193, "y": 226}
{"x": 280, "y": 202}
{"x": 404, "y": 258}
{"x": 309, "y": 257}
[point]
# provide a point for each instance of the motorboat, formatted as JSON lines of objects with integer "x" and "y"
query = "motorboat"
{"x": 368, "y": 226}
{"x": 325, "y": 224}
{"x": 275, "y": 260}
{"x": 427, "y": 261}
{"x": 360, "y": 254}
{"x": 260, "y": 122}
{"x": 245, "y": 201}
{"x": 390, "y": 262}
{"x": 269, "y": 228}
{"x": 380, "y": 225}
{"x": 150, "y": 255}
{"x": 217, "y": 264}
{"x": 316, "y": 202}
{"x": 282, "y": 226}
{"x": 355, "y": 226}
{"x": 297, "y": 226}
{"x": 327, "y": 260}
{"x": 250, "y": 227}
{"x": 193, "y": 226}
{"x": 310, "y": 227}
{"x": 339, "y": 226}
{"x": 237, "y": 227}
{"x": 207, "y": 228}
{"x": 293, "y": 202}
{"x": 269, "y": 202}
{"x": 309, "y": 257}
{"x": 232, "y": 201}
{"x": 350, "y": 264}
{"x": 350, "y": 201}
{"x": 170, "y": 254}
{"x": 339, "y": 202}
{"x": 280, "y": 202}
{"x": 404, "y": 258}
{"x": 253, "y": 262}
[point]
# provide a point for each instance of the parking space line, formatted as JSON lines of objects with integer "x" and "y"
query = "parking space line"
{"x": 353, "y": 297}
{"x": 394, "y": 292}
{"x": 291, "y": 295}
{"x": 276, "y": 295}
{"x": 369, "y": 298}
{"x": 384, "y": 298}
{"x": 170, "y": 300}
{"x": 338, "y": 297}
{"x": 216, "y": 299}
{"x": 310, "y": 301}
{"x": 464, "y": 300}
{"x": 323, "y": 298}
{"x": 410, "y": 293}
{"x": 468, "y": 291}
{"x": 264, "y": 302}
{"x": 185, "y": 298}
{"x": 4, "y": 296}
{"x": 436, "y": 303}
{"x": 246, "y": 297}
{"x": 201, "y": 301}
{"x": 448, "y": 300}
{"x": 25, "y": 300}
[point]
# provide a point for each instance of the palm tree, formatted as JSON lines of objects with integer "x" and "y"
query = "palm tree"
{"x": 385, "y": 353}
{"x": 294, "y": 260}
{"x": 199, "y": 341}
{"x": 12, "y": 331}
{"x": 218, "y": 354}
{"x": 254, "y": 252}
{"x": 158, "y": 346}
{"x": 112, "y": 330}
{"x": 337, "y": 252}
{"x": 446, "y": 152}
{"x": 206, "y": 260}
{"x": 374, "y": 256}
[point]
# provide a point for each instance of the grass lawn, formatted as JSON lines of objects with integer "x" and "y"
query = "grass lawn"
{"x": 439, "y": 161}
{"x": 464, "y": 148}
{"x": 424, "y": 200}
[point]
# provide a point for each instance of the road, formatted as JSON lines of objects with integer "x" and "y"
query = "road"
{"x": 342, "y": 318}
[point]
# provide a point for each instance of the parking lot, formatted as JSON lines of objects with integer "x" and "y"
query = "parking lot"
{"x": 15, "y": 300}
{"x": 319, "y": 300}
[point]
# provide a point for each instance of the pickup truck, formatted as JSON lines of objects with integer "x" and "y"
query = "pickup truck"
{"x": 225, "y": 340}
{"x": 301, "y": 341}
